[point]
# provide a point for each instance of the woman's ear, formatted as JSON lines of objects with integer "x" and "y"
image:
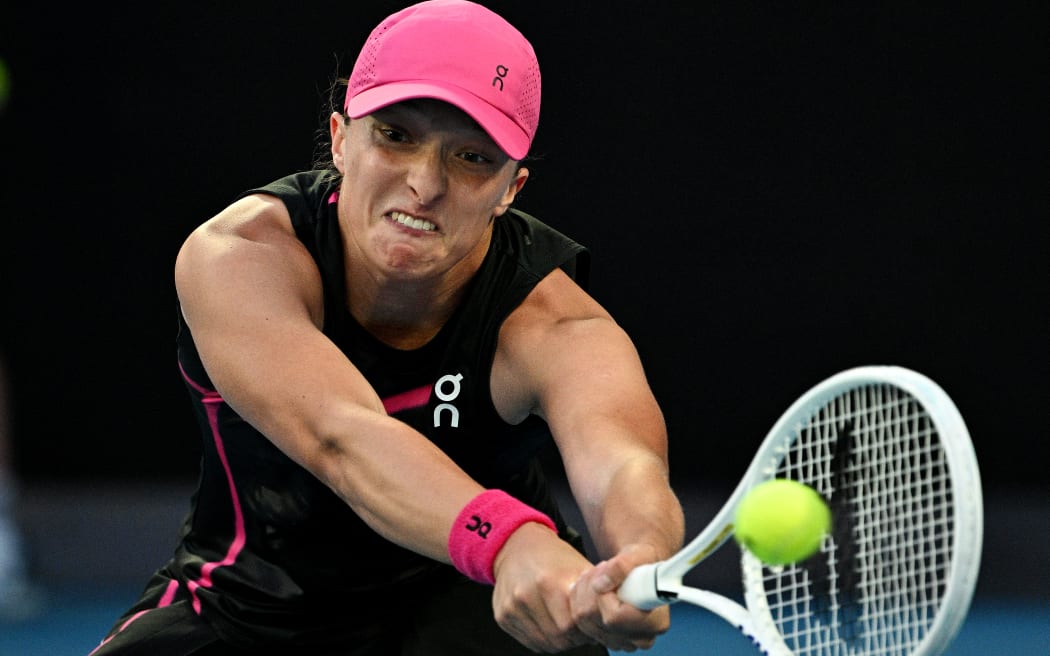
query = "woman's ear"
{"x": 513, "y": 189}
{"x": 336, "y": 130}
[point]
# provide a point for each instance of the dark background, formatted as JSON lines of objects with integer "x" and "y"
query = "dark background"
{"x": 773, "y": 192}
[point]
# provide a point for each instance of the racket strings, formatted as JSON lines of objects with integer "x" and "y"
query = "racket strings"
{"x": 878, "y": 582}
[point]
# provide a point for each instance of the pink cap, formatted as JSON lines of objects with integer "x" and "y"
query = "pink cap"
{"x": 459, "y": 52}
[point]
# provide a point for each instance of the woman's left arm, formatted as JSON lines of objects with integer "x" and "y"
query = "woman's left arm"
{"x": 564, "y": 358}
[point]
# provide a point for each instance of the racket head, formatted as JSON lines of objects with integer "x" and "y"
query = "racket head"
{"x": 889, "y": 450}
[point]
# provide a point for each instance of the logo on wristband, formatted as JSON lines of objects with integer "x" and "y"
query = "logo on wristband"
{"x": 479, "y": 527}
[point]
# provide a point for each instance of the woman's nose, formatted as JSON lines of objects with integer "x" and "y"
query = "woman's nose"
{"x": 427, "y": 176}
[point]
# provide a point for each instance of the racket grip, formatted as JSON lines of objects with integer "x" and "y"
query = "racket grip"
{"x": 639, "y": 588}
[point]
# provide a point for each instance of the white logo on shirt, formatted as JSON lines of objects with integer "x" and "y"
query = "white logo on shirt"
{"x": 453, "y": 381}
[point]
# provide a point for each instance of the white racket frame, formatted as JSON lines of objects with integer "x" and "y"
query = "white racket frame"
{"x": 657, "y": 584}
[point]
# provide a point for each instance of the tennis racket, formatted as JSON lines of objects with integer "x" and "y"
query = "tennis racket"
{"x": 889, "y": 451}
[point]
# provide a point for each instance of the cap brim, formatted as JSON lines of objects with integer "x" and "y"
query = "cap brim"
{"x": 504, "y": 131}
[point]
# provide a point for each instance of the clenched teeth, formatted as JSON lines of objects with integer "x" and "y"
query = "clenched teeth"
{"x": 412, "y": 222}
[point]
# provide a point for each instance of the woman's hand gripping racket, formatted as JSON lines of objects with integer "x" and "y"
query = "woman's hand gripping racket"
{"x": 889, "y": 451}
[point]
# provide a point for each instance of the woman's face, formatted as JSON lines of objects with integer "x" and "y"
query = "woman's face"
{"x": 421, "y": 185}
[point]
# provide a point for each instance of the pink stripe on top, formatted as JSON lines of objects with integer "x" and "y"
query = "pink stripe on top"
{"x": 165, "y": 600}
{"x": 415, "y": 398}
{"x": 212, "y": 400}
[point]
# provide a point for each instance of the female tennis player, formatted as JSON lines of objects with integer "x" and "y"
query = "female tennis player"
{"x": 376, "y": 351}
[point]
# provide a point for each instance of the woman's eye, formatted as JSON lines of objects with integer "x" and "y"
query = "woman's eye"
{"x": 475, "y": 158}
{"x": 394, "y": 135}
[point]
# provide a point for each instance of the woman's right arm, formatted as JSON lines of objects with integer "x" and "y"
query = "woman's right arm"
{"x": 251, "y": 294}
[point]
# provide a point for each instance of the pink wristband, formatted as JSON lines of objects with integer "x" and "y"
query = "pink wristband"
{"x": 481, "y": 529}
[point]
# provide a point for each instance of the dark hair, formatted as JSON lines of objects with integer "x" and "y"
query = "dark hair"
{"x": 335, "y": 95}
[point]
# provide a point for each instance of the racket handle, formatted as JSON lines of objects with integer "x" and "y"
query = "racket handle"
{"x": 639, "y": 588}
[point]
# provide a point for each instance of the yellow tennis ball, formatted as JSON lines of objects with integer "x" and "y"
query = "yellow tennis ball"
{"x": 782, "y": 521}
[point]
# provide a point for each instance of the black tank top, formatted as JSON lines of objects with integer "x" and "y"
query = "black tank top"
{"x": 267, "y": 549}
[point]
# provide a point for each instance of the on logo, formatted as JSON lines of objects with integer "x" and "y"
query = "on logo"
{"x": 501, "y": 73}
{"x": 439, "y": 390}
{"x": 479, "y": 527}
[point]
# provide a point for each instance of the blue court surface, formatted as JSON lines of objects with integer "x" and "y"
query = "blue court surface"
{"x": 121, "y": 534}
{"x": 76, "y": 617}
